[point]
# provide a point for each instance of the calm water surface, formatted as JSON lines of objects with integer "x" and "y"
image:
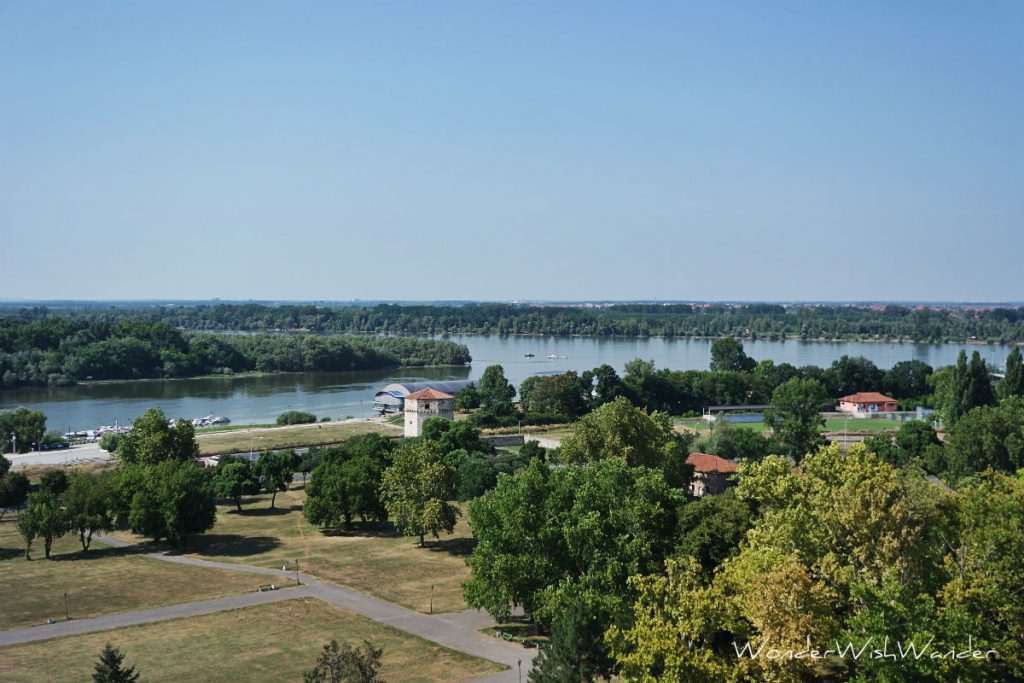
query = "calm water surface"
{"x": 339, "y": 394}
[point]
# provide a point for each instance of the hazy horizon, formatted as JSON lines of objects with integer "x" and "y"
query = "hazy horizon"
{"x": 328, "y": 152}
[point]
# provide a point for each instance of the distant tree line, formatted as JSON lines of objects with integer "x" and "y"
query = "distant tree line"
{"x": 40, "y": 351}
{"x": 770, "y": 321}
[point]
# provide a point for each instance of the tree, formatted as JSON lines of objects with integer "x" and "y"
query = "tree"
{"x": 453, "y": 435}
{"x": 340, "y": 490}
{"x": 620, "y": 430}
{"x": 153, "y": 440}
{"x": 795, "y": 416}
{"x": 54, "y": 481}
{"x": 44, "y": 517}
{"x": 14, "y": 488}
{"x": 566, "y": 394}
{"x": 467, "y": 398}
{"x": 28, "y": 427}
{"x": 970, "y": 386}
{"x": 416, "y": 490}
{"x": 984, "y": 437}
{"x": 546, "y": 537}
{"x": 5, "y": 466}
{"x": 295, "y": 417}
{"x": 171, "y": 500}
{"x": 911, "y": 442}
{"x": 234, "y": 478}
{"x": 346, "y": 664}
{"x": 110, "y": 668}
{"x": 1013, "y": 381}
{"x": 476, "y": 476}
{"x": 849, "y": 375}
{"x": 496, "y": 393}
{"x": 710, "y": 529}
{"x": 907, "y": 379}
{"x": 738, "y": 443}
{"x": 88, "y": 502}
{"x": 576, "y": 651}
{"x": 274, "y": 470}
{"x": 727, "y": 355}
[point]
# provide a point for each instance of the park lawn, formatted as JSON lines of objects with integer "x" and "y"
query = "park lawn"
{"x": 372, "y": 558}
{"x": 102, "y": 581}
{"x": 292, "y": 436}
{"x": 266, "y": 643}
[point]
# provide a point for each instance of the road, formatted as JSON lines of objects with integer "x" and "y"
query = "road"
{"x": 76, "y": 455}
{"x": 458, "y": 631}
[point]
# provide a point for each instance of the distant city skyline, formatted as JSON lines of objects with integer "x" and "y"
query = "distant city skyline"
{"x": 574, "y": 152}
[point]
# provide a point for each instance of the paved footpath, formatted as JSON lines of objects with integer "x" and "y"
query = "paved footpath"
{"x": 456, "y": 630}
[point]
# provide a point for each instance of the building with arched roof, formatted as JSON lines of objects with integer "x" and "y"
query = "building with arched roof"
{"x": 391, "y": 399}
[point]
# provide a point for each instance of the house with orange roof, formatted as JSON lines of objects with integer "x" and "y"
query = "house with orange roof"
{"x": 866, "y": 402}
{"x": 710, "y": 474}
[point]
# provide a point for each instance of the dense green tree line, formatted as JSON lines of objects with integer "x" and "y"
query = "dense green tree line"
{"x": 58, "y": 350}
{"x": 770, "y": 321}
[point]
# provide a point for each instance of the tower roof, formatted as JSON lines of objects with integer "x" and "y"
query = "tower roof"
{"x": 428, "y": 393}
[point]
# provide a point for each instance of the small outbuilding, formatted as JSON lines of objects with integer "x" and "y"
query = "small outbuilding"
{"x": 865, "y": 402}
{"x": 424, "y": 404}
{"x": 710, "y": 473}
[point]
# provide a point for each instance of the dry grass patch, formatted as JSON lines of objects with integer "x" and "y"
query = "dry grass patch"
{"x": 102, "y": 581}
{"x": 267, "y": 643}
{"x": 292, "y": 436}
{"x": 373, "y": 559}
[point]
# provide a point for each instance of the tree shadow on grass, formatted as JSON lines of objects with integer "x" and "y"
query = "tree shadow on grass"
{"x": 460, "y": 547}
{"x": 95, "y": 553}
{"x": 11, "y": 553}
{"x": 362, "y": 530}
{"x": 260, "y": 511}
{"x": 230, "y": 545}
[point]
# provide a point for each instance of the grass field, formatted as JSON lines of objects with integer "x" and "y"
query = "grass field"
{"x": 838, "y": 424}
{"x": 261, "y": 644}
{"x": 294, "y": 436}
{"x": 102, "y": 581}
{"x": 372, "y": 559}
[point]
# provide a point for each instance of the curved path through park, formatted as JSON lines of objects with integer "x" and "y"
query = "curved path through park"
{"x": 457, "y": 630}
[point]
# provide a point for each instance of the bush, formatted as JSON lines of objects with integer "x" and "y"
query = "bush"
{"x": 295, "y": 417}
{"x": 110, "y": 441}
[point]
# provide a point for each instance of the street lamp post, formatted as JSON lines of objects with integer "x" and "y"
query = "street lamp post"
{"x": 520, "y": 663}
{"x": 67, "y": 615}
{"x": 431, "y": 608}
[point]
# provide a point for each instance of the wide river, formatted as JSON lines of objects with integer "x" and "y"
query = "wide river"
{"x": 260, "y": 399}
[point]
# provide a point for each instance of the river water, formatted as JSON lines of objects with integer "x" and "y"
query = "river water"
{"x": 260, "y": 399}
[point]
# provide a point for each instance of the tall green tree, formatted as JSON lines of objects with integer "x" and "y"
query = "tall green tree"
{"x": 234, "y": 478}
{"x": 153, "y": 440}
{"x": 111, "y": 668}
{"x": 340, "y": 490}
{"x": 576, "y": 652}
{"x": 44, "y": 517}
{"x": 795, "y": 416}
{"x": 970, "y": 387}
{"x": 89, "y": 505}
{"x": 496, "y": 393}
{"x": 346, "y": 664}
{"x": 1013, "y": 382}
{"x": 727, "y": 355}
{"x": 26, "y": 426}
{"x": 907, "y": 379}
{"x": 171, "y": 500}
{"x": 275, "y": 471}
{"x": 14, "y": 489}
{"x": 546, "y": 537}
{"x": 417, "y": 488}
{"x": 621, "y": 430}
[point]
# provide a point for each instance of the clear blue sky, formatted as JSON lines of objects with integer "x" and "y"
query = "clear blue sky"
{"x": 483, "y": 150}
